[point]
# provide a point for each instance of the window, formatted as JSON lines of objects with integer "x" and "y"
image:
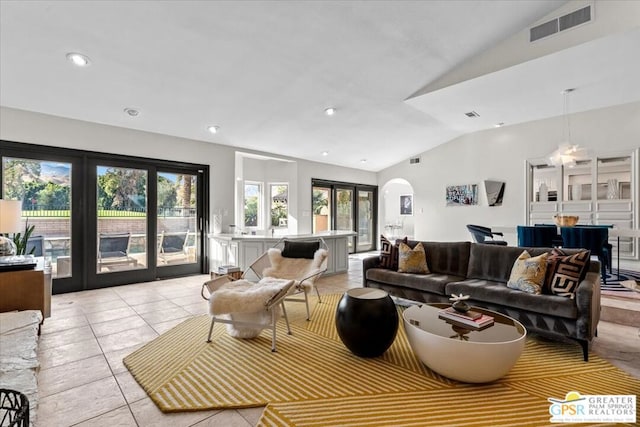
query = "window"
{"x": 252, "y": 198}
{"x": 279, "y": 205}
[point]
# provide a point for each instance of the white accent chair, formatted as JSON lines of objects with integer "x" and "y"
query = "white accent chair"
{"x": 246, "y": 307}
{"x": 302, "y": 261}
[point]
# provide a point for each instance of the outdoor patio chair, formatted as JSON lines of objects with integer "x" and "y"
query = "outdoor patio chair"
{"x": 113, "y": 250}
{"x": 35, "y": 246}
{"x": 173, "y": 247}
{"x": 246, "y": 307}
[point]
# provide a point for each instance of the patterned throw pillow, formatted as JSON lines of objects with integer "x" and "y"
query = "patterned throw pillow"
{"x": 528, "y": 273}
{"x": 564, "y": 272}
{"x": 386, "y": 253}
{"x": 412, "y": 260}
{"x": 389, "y": 253}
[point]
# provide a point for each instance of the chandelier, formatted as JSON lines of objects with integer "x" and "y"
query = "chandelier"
{"x": 567, "y": 153}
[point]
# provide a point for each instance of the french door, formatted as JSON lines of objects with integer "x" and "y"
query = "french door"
{"x": 346, "y": 206}
{"x": 106, "y": 220}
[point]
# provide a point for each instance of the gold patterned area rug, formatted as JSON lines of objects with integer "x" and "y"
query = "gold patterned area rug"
{"x": 314, "y": 380}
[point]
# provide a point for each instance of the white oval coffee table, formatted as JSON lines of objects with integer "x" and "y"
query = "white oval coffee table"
{"x": 472, "y": 356}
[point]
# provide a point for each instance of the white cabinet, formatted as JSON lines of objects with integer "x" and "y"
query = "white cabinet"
{"x": 340, "y": 255}
{"x": 223, "y": 252}
{"x": 242, "y": 251}
{"x": 251, "y": 251}
{"x": 602, "y": 189}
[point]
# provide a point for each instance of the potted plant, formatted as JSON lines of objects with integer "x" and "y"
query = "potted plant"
{"x": 21, "y": 240}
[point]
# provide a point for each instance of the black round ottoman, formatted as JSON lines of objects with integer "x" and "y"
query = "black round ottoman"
{"x": 367, "y": 321}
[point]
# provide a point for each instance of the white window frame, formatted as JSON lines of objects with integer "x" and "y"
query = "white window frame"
{"x": 270, "y": 203}
{"x": 260, "y": 212}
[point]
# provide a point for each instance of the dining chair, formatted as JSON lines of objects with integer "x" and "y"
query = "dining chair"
{"x": 484, "y": 235}
{"x": 537, "y": 236}
{"x": 595, "y": 239}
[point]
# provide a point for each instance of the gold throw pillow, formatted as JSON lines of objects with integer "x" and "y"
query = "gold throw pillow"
{"x": 528, "y": 273}
{"x": 412, "y": 260}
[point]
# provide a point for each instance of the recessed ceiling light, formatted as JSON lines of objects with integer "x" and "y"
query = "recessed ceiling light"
{"x": 325, "y": 153}
{"x": 499, "y": 125}
{"x": 213, "y": 129}
{"x": 132, "y": 112}
{"x": 78, "y": 59}
{"x": 363, "y": 160}
{"x": 330, "y": 111}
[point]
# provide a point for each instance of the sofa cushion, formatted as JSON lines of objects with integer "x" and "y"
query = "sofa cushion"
{"x": 450, "y": 258}
{"x": 412, "y": 260}
{"x": 432, "y": 283}
{"x": 498, "y": 293}
{"x": 494, "y": 263}
{"x": 294, "y": 249}
{"x": 528, "y": 273}
{"x": 566, "y": 272}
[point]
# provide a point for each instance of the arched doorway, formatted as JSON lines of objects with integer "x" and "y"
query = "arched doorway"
{"x": 397, "y": 209}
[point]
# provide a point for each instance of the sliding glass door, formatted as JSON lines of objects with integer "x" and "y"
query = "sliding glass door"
{"x": 103, "y": 220}
{"x": 179, "y": 222}
{"x": 346, "y": 206}
{"x": 366, "y": 227}
{"x": 46, "y": 185}
{"x": 345, "y": 213}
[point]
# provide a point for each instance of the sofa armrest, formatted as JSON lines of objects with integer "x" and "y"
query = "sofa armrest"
{"x": 367, "y": 263}
{"x": 588, "y": 305}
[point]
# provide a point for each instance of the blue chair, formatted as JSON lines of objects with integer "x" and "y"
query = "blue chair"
{"x": 607, "y": 245}
{"x": 594, "y": 239}
{"x": 538, "y": 236}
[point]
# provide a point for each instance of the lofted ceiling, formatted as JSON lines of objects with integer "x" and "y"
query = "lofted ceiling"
{"x": 265, "y": 71}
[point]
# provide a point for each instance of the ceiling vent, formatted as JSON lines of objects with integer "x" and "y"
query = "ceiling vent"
{"x": 570, "y": 20}
{"x": 414, "y": 160}
{"x": 472, "y": 114}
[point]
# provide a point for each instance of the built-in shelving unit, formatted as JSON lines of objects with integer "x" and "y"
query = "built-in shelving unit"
{"x": 602, "y": 189}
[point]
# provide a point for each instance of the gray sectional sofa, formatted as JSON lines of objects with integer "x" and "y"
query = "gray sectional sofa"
{"x": 482, "y": 271}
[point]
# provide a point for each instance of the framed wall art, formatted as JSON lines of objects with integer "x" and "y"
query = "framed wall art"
{"x": 462, "y": 195}
{"x": 406, "y": 204}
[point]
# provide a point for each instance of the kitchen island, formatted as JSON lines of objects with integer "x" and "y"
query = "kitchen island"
{"x": 242, "y": 249}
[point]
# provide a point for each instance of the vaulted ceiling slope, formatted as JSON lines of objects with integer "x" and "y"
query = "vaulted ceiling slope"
{"x": 264, "y": 72}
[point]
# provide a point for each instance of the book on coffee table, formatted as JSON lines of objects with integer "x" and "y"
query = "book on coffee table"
{"x": 471, "y": 315}
{"x": 482, "y": 322}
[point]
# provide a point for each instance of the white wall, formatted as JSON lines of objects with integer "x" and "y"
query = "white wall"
{"x": 36, "y": 128}
{"x": 500, "y": 155}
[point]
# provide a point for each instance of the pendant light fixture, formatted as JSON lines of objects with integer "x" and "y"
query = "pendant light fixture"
{"x": 567, "y": 151}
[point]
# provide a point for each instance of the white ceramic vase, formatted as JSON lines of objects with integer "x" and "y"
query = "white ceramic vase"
{"x": 576, "y": 192}
{"x": 612, "y": 189}
{"x": 217, "y": 224}
{"x": 543, "y": 193}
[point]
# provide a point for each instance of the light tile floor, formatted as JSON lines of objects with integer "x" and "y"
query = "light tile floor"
{"x": 83, "y": 382}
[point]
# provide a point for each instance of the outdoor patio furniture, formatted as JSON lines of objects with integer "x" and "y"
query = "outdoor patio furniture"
{"x": 113, "y": 250}
{"x": 173, "y": 247}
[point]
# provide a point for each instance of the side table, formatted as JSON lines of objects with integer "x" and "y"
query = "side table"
{"x": 367, "y": 321}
